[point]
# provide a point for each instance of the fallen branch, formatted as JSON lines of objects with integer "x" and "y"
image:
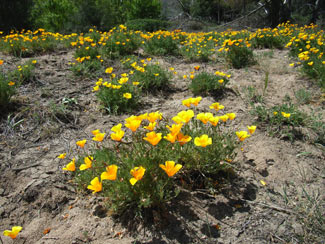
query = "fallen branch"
{"x": 250, "y": 13}
{"x": 26, "y": 167}
{"x": 51, "y": 238}
{"x": 271, "y": 207}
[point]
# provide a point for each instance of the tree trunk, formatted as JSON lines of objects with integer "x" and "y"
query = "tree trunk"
{"x": 315, "y": 12}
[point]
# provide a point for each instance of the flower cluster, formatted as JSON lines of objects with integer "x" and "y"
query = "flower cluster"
{"x": 140, "y": 158}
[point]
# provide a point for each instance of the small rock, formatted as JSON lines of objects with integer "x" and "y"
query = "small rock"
{"x": 99, "y": 211}
{"x": 3, "y": 200}
{"x": 270, "y": 161}
{"x": 2, "y": 191}
{"x": 251, "y": 162}
{"x": 298, "y": 228}
{"x": 44, "y": 176}
{"x": 262, "y": 171}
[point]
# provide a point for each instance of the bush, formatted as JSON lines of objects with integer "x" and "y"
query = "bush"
{"x": 151, "y": 78}
{"x": 308, "y": 46}
{"x": 209, "y": 84}
{"x": 7, "y": 89}
{"x": 53, "y": 15}
{"x": 149, "y": 25}
{"x": 27, "y": 44}
{"x": 142, "y": 9}
{"x": 121, "y": 42}
{"x": 162, "y": 43}
{"x": 268, "y": 38}
{"x": 24, "y": 73}
{"x": 87, "y": 67}
{"x": 281, "y": 120}
{"x": 118, "y": 96}
{"x": 14, "y": 14}
{"x": 138, "y": 169}
{"x": 238, "y": 54}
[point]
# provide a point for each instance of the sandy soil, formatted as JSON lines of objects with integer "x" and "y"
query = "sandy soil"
{"x": 36, "y": 194}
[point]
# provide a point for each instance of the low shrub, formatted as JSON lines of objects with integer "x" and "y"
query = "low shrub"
{"x": 238, "y": 53}
{"x": 27, "y": 44}
{"x": 121, "y": 42}
{"x": 151, "y": 77}
{"x": 268, "y": 38}
{"x": 161, "y": 43}
{"x": 24, "y": 73}
{"x": 118, "y": 95}
{"x": 87, "y": 67}
{"x": 148, "y": 25}
{"x": 7, "y": 89}
{"x": 282, "y": 120}
{"x": 140, "y": 168}
{"x": 209, "y": 84}
{"x": 197, "y": 52}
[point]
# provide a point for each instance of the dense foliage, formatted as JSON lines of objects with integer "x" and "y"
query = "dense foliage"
{"x": 80, "y": 15}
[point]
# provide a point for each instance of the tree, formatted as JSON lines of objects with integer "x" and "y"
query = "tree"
{"x": 14, "y": 14}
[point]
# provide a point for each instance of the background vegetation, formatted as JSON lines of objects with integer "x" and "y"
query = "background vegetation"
{"x": 79, "y": 15}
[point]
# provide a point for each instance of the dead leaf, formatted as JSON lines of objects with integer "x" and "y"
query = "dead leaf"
{"x": 46, "y": 231}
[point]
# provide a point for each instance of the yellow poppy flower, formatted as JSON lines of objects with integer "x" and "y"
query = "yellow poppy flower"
{"x": 110, "y": 173}
{"x": 109, "y": 70}
{"x": 117, "y": 128}
{"x": 151, "y": 126}
{"x": 117, "y": 136}
{"x": 11, "y": 83}
{"x": 127, "y": 95}
{"x": 196, "y": 100}
{"x": 95, "y": 132}
{"x": 133, "y": 123}
{"x": 183, "y": 116}
{"x": 153, "y": 138}
{"x": 224, "y": 118}
{"x": 99, "y": 137}
{"x": 251, "y": 129}
{"x": 216, "y": 106}
{"x": 13, "y": 232}
{"x": 95, "y": 185}
{"x": 175, "y": 129}
{"x": 242, "y": 135}
{"x": 70, "y": 166}
{"x": 170, "y": 137}
{"x": 137, "y": 173}
{"x": 286, "y": 115}
{"x": 214, "y": 121}
{"x": 87, "y": 163}
{"x": 152, "y": 117}
{"x": 204, "y": 117}
{"x": 181, "y": 139}
{"x": 170, "y": 168}
{"x": 187, "y": 102}
{"x": 81, "y": 143}
{"x": 62, "y": 156}
{"x": 202, "y": 141}
{"x": 231, "y": 116}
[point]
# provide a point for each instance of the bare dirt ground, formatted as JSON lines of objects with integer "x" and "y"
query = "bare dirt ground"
{"x": 35, "y": 193}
